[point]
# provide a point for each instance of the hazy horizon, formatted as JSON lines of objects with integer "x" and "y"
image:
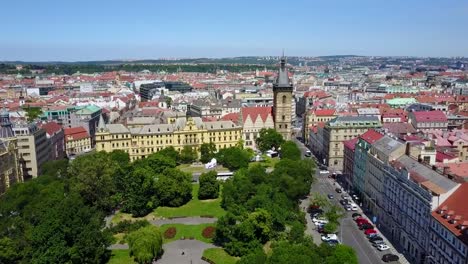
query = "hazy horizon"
{"x": 47, "y": 30}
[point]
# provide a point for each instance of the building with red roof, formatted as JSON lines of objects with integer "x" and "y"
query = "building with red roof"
{"x": 427, "y": 120}
{"x": 77, "y": 140}
{"x": 313, "y": 117}
{"x": 56, "y": 137}
{"x": 253, "y": 120}
{"x": 449, "y": 229}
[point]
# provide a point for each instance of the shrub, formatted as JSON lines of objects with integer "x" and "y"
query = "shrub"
{"x": 170, "y": 233}
{"x": 127, "y": 226}
{"x": 208, "y": 232}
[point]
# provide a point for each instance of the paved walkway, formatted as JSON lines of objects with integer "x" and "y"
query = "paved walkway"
{"x": 185, "y": 221}
{"x": 118, "y": 246}
{"x": 184, "y": 252}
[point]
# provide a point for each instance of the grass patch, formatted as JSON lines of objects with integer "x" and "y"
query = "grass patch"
{"x": 186, "y": 231}
{"x": 199, "y": 169}
{"x": 119, "y": 237}
{"x": 121, "y": 256}
{"x": 193, "y": 208}
{"x": 219, "y": 256}
{"x": 267, "y": 162}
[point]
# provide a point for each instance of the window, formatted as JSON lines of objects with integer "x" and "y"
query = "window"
{"x": 283, "y": 117}
{"x": 284, "y": 99}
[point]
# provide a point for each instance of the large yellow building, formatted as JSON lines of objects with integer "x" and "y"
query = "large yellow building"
{"x": 140, "y": 142}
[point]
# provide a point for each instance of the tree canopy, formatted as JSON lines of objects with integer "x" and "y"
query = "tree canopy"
{"x": 207, "y": 152}
{"x": 209, "y": 186}
{"x": 234, "y": 158}
{"x": 269, "y": 139}
{"x": 289, "y": 150}
{"x": 145, "y": 244}
{"x": 188, "y": 154}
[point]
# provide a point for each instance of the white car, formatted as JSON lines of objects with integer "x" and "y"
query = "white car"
{"x": 324, "y": 172}
{"x": 319, "y": 221}
{"x": 354, "y": 207}
{"x": 330, "y": 237}
{"x": 383, "y": 247}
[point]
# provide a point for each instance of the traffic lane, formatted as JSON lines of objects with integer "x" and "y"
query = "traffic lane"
{"x": 350, "y": 233}
{"x": 356, "y": 239}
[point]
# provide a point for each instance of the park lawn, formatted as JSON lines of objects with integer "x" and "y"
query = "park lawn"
{"x": 219, "y": 256}
{"x": 267, "y": 162}
{"x": 119, "y": 217}
{"x": 121, "y": 256}
{"x": 193, "y": 208}
{"x": 199, "y": 169}
{"x": 186, "y": 231}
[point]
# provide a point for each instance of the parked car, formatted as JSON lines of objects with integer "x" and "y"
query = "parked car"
{"x": 362, "y": 221}
{"x": 308, "y": 153}
{"x": 319, "y": 221}
{"x": 324, "y": 172}
{"x": 376, "y": 238}
{"x": 366, "y": 226}
{"x": 332, "y": 242}
{"x": 360, "y": 218}
{"x": 354, "y": 207}
{"x": 373, "y": 236}
{"x": 344, "y": 196}
{"x": 377, "y": 243}
{"x": 390, "y": 258}
{"x": 383, "y": 247}
{"x": 330, "y": 237}
{"x": 338, "y": 190}
{"x": 355, "y": 215}
{"x": 347, "y": 207}
{"x": 370, "y": 231}
{"x": 330, "y": 196}
{"x": 344, "y": 202}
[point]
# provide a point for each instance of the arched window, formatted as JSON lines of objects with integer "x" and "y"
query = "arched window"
{"x": 284, "y": 99}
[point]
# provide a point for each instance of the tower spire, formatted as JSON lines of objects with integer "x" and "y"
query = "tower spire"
{"x": 102, "y": 125}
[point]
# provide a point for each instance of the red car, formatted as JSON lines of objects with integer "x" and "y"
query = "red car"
{"x": 359, "y": 219}
{"x": 363, "y": 221}
{"x": 370, "y": 231}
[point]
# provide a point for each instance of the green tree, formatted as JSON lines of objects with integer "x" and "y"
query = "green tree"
{"x": 174, "y": 188}
{"x": 256, "y": 257}
{"x": 334, "y": 213}
{"x": 293, "y": 253}
{"x": 342, "y": 254}
{"x": 140, "y": 194}
{"x": 233, "y": 158}
{"x": 330, "y": 227}
{"x": 207, "y": 152}
{"x": 32, "y": 113}
{"x": 92, "y": 176}
{"x": 170, "y": 152}
{"x": 269, "y": 139}
{"x": 157, "y": 162}
{"x": 145, "y": 244}
{"x": 318, "y": 200}
{"x": 188, "y": 155}
{"x": 209, "y": 186}
{"x": 289, "y": 150}
{"x": 168, "y": 101}
{"x": 262, "y": 224}
{"x": 120, "y": 157}
{"x": 8, "y": 251}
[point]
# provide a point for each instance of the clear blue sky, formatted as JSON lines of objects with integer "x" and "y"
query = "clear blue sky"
{"x": 146, "y": 29}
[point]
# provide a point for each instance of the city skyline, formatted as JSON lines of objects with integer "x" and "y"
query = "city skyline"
{"x": 46, "y": 31}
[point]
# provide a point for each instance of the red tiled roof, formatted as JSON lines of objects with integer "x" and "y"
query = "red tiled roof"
{"x": 51, "y": 127}
{"x": 255, "y": 112}
{"x": 430, "y": 116}
{"x": 371, "y": 136}
{"x": 440, "y": 156}
{"x": 75, "y": 133}
{"x": 350, "y": 144}
{"x": 234, "y": 117}
{"x": 324, "y": 112}
{"x": 456, "y": 203}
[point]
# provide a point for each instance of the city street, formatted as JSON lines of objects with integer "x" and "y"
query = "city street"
{"x": 349, "y": 232}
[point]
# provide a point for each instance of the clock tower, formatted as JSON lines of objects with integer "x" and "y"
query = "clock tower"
{"x": 282, "y": 101}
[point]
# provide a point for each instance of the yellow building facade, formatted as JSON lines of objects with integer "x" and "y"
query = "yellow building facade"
{"x": 139, "y": 142}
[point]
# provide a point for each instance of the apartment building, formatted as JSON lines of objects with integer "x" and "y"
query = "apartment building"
{"x": 341, "y": 129}
{"x": 428, "y": 120}
{"x": 448, "y": 239}
{"x": 315, "y": 116}
{"x": 77, "y": 141}
{"x": 56, "y": 138}
{"x": 33, "y": 148}
{"x": 140, "y": 142}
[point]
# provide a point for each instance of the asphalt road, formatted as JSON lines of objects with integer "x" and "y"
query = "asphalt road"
{"x": 349, "y": 233}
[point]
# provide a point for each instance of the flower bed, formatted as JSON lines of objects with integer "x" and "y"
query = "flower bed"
{"x": 208, "y": 232}
{"x": 170, "y": 233}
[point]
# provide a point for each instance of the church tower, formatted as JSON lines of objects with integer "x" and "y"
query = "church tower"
{"x": 282, "y": 99}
